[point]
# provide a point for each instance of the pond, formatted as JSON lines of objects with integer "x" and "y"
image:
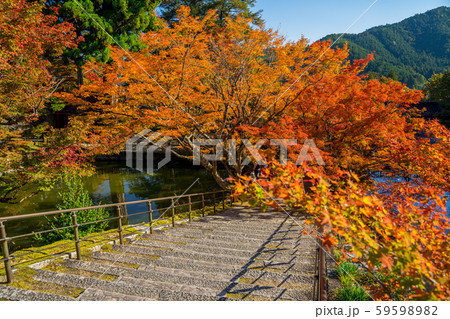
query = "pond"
{"x": 114, "y": 182}
{"x": 399, "y": 179}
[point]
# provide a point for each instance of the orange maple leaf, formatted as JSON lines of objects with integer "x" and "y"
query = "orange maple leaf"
{"x": 387, "y": 261}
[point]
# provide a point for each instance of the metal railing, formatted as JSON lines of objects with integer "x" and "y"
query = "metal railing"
{"x": 203, "y": 200}
{"x": 319, "y": 288}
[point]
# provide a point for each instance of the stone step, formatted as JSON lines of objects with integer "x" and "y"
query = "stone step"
{"x": 202, "y": 233}
{"x": 201, "y": 291}
{"x": 221, "y": 287}
{"x": 193, "y": 247}
{"x": 151, "y": 241}
{"x": 229, "y": 241}
{"x": 184, "y": 252}
{"x": 250, "y": 221}
{"x": 205, "y": 266}
{"x": 238, "y": 289}
{"x": 242, "y": 226}
{"x": 256, "y": 276}
{"x": 248, "y": 252}
{"x": 13, "y": 294}
{"x": 158, "y": 276}
{"x": 294, "y": 266}
{"x": 92, "y": 294}
{"x": 251, "y": 214}
{"x": 164, "y": 269}
{"x": 226, "y": 257}
{"x": 128, "y": 289}
{"x": 168, "y": 235}
{"x": 170, "y": 262}
{"x": 183, "y": 236}
{"x": 282, "y": 258}
{"x": 235, "y": 230}
{"x": 244, "y": 273}
{"x": 302, "y": 248}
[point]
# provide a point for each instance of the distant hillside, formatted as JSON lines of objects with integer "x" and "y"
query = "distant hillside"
{"x": 410, "y": 51}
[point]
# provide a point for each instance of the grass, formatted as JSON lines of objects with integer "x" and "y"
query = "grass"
{"x": 348, "y": 269}
{"x": 350, "y": 275}
{"x": 352, "y": 293}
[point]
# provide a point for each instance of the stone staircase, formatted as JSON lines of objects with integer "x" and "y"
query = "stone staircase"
{"x": 239, "y": 254}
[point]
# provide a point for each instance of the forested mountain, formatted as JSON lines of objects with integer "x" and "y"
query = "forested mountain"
{"x": 410, "y": 51}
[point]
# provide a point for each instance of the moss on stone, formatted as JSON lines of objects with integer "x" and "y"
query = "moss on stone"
{"x": 277, "y": 247}
{"x": 278, "y": 284}
{"x": 24, "y": 279}
{"x": 34, "y": 254}
{"x": 111, "y": 263}
{"x": 240, "y": 296}
{"x": 58, "y": 266}
{"x": 136, "y": 254}
{"x": 128, "y": 253}
{"x": 164, "y": 241}
{"x": 269, "y": 269}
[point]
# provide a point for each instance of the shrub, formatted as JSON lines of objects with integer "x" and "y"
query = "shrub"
{"x": 75, "y": 195}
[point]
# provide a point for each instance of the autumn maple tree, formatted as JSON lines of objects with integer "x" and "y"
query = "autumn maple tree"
{"x": 31, "y": 44}
{"x": 396, "y": 231}
{"x": 198, "y": 80}
{"x": 381, "y": 193}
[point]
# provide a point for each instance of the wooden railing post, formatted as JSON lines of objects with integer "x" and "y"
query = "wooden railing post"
{"x": 214, "y": 202}
{"x": 319, "y": 289}
{"x": 119, "y": 210}
{"x": 190, "y": 208}
{"x": 173, "y": 213}
{"x": 150, "y": 216}
{"x": 203, "y": 205}
{"x": 322, "y": 275}
{"x": 316, "y": 276}
{"x": 7, "y": 261}
{"x": 76, "y": 234}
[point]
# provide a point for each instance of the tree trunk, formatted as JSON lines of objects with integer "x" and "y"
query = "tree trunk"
{"x": 213, "y": 170}
{"x": 80, "y": 75}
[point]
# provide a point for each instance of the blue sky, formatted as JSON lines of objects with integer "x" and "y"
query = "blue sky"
{"x": 317, "y": 18}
